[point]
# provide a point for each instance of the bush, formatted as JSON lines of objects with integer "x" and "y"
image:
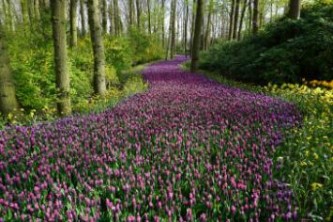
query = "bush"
{"x": 285, "y": 51}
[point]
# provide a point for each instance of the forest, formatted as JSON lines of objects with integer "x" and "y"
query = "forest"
{"x": 166, "y": 110}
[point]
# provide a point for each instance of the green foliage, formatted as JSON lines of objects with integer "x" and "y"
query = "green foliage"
{"x": 146, "y": 48}
{"x": 118, "y": 53}
{"x": 285, "y": 51}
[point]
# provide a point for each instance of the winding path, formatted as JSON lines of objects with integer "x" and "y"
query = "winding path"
{"x": 187, "y": 149}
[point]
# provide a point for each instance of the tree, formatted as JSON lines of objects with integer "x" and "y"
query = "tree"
{"x": 294, "y": 11}
{"x": 73, "y": 23}
{"x": 83, "y": 18}
{"x": 231, "y": 23}
{"x": 241, "y": 20}
{"x": 196, "y": 37}
{"x": 98, "y": 47}
{"x": 149, "y": 16}
{"x": 173, "y": 28}
{"x": 255, "y": 18}
{"x": 103, "y": 5}
{"x": 208, "y": 25}
{"x": 138, "y": 13}
{"x": 131, "y": 12}
{"x": 58, "y": 10}
{"x": 8, "y": 102}
{"x": 236, "y": 15}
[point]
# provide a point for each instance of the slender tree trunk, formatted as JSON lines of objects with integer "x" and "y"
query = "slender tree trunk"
{"x": 131, "y": 12}
{"x": 196, "y": 37}
{"x": 208, "y": 30}
{"x": 163, "y": 25}
{"x": 255, "y": 17}
{"x": 235, "y": 29}
{"x": 104, "y": 15}
{"x": 111, "y": 18}
{"x": 58, "y": 9}
{"x": 83, "y": 18}
{"x": 186, "y": 26}
{"x": 117, "y": 18}
{"x": 149, "y": 16}
{"x": 73, "y": 23}
{"x": 192, "y": 25}
{"x": 98, "y": 47}
{"x": 231, "y": 23}
{"x": 8, "y": 102}
{"x": 173, "y": 28}
{"x": 36, "y": 9}
{"x": 138, "y": 14}
{"x": 294, "y": 11}
{"x": 24, "y": 12}
{"x": 241, "y": 20}
{"x": 250, "y": 16}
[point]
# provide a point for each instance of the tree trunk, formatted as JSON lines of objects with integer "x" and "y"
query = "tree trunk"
{"x": 8, "y": 102}
{"x": 58, "y": 10}
{"x": 231, "y": 23}
{"x": 24, "y": 12}
{"x": 173, "y": 28}
{"x": 241, "y": 20}
{"x": 138, "y": 14}
{"x": 103, "y": 6}
{"x": 131, "y": 12}
{"x": 83, "y": 18}
{"x": 192, "y": 25}
{"x": 117, "y": 18}
{"x": 163, "y": 25}
{"x": 294, "y": 11}
{"x": 196, "y": 37}
{"x": 98, "y": 47}
{"x": 36, "y": 9}
{"x": 255, "y": 17}
{"x": 207, "y": 34}
{"x": 234, "y": 35}
{"x": 186, "y": 26}
{"x": 149, "y": 16}
{"x": 73, "y": 23}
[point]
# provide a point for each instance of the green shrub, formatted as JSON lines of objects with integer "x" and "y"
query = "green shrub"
{"x": 285, "y": 51}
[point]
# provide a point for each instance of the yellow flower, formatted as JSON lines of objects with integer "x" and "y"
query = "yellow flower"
{"x": 316, "y": 186}
{"x": 315, "y": 155}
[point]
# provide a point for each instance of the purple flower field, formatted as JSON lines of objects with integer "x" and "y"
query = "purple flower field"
{"x": 189, "y": 149}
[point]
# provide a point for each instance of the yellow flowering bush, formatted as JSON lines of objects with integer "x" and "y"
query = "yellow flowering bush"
{"x": 309, "y": 149}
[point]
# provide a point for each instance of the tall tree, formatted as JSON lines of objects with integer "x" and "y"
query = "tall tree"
{"x": 294, "y": 11}
{"x": 73, "y": 23}
{"x": 131, "y": 12}
{"x": 197, "y": 34}
{"x": 138, "y": 14}
{"x": 8, "y": 102}
{"x": 149, "y": 15}
{"x": 117, "y": 18}
{"x": 255, "y": 18}
{"x": 83, "y": 17}
{"x": 242, "y": 19}
{"x": 58, "y": 10}
{"x": 231, "y": 20}
{"x": 173, "y": 28}
{"x": 187, "y": 11}
{"x": 103, "y": 5}
{"x": 163, "y": 25}
{"x": 98, "y": 47}
{"x": 208, "y": 25}
{"x": 235, "y": 29}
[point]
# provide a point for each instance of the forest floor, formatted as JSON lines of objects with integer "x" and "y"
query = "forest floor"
{"x": 187, "y": 148}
